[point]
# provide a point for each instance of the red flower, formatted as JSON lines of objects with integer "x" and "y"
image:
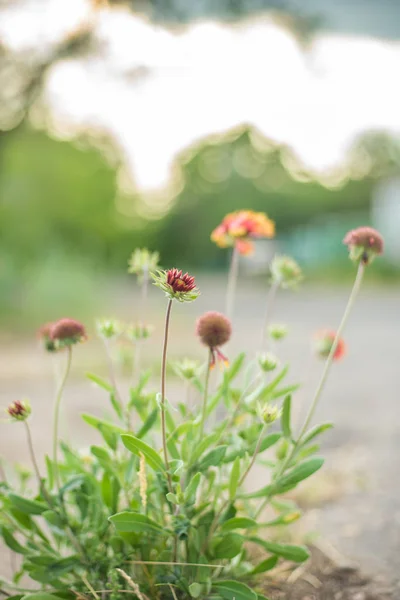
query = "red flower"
{"x": 237, "y": 227}
{"x": 67, "y": 332}
{"x": 364, "y": 244}
{"x": 19, "y": 410}
{"x": 324, "y": 342}
{"x": 214, "y": 330}
{"x": 179, "y": 282}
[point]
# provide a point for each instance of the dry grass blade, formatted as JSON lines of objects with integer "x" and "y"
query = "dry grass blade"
{"x": 132, "y": 584}
{"x": 173, "y": 591}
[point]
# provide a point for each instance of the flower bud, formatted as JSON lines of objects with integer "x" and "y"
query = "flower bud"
{"x": 186, "y": 368}
{"x": 282, "y": 450}
{"x": 323, "y": 343}
{"x": 364, "y": 243}
{"x": 270, "y": 414}
{"x": 67, "y": 332}
{"x": 19, "y": 410}
{"x": 285, "y": 271}
{"x": 277, "y": 331}
{"x": 108, "y": 328}
{"x": 267, "y": 361}
{"x": 214, "y": 330}
{"x": 143, "y": 262}
{"x": 176, "y": 285}
{"x": 137, "y": 332}
{"x": 44, "y": 335}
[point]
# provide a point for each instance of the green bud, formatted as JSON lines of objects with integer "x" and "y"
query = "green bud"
{"x": 277, "y": 331}
{"x": 142, "y": 262}
{"x": 270, "y": 414}
{"x": 186, "y": 368}
{"x": 137, "y": 332}
{"x": 285, "y": 271}
{"x": 108, "y": 328}
{"x": 267, "y": 362}
{"x": 19, "y": 410}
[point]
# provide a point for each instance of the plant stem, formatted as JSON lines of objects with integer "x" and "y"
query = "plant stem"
{"x": 254, "y": 457}
{"x": 291, "y": 455}
{"x": 113, "y": 379}
{"x": 205, "y": 396}
{"x": 271, "y": 297}
{"x": 329, "y": 360}
{"x": 163, "y": 382}
{"x": 56, "y": 416}
{"x": 32, "y": 455}
{"x": 232, "y": 280}
{"x": 138, "y": 344}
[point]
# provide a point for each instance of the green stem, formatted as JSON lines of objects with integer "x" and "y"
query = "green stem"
{"x": 271, "y": 297}
{"x": 163, "y": 383}
{"x": 296, "y": 446}
{"x": 138, "y": 345}
{"x": 56, "y": 416}
{"x": 254, "y": 457}
{"x": 205, "y": 397}
{"x": 329, "y": 360}
{"x": 232, "y": 280}
{"x": 32, "y": 455}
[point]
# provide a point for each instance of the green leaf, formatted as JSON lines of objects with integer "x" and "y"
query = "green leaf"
{"x": 195, "y": 590}
{"x": 300, "y": 472}
{"x": 229, "y": 546}
{"x": 131, "y": 522}
{"x": 314, "y": 431}
{"x": 234, "y": 369}
{"x": 190, "y": 492}
{"x": 28, "y": 507}
{"x": 285, "y": 418}
{"x": 12, "y": 542}
{"x": 212, "y": 458}
{"x": 234, "y": 479}
{"x": 137, "y": 446}
{"x": 110, "y": 488}
{"x": 148, "y": 424}
{"x": 205, "y": 443}
{"x": 100, "y": 382}
{"x": 267, "y": 442}
{"x": 50, "y": 472}
{"x": 238, "y": 523}
{"x": 53, "y": 518}
{"x": 294, "y": 553}
{"x": 40, "y": 596}
{"x": 270, "y": 388}
{"x": 234, "y": 590}
{"x": 265, "y": 565}
{"x": 109, "y": 431}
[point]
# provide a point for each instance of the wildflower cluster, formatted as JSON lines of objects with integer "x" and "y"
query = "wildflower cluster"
{"x": 161, "y": 508}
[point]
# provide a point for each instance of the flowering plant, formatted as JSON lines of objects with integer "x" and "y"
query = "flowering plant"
{"x": 160, "y": 509}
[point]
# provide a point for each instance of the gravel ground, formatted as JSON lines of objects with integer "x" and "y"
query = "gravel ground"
{"x": 355, "y": 503}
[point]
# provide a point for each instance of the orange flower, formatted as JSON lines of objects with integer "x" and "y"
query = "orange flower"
{"x": 323, "y": 344}
{"x": 239, "y": 227}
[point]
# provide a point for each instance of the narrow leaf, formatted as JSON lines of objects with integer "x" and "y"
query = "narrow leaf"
{"x": 137, "y": 446}
{"x": 234, "y": 590}
{"x": 314, "y": 431}
{"x": 285, "y": 418}
{"x": 130, "y": 522}
{"x": 212, "y": 458}
{"x": 28, "y": 507}
{"x": 287, "y": 551}
{"x": 238, "y": 523}
{"x": 300, "y": 472}
{"x": 265, "y": 565}
{"x": 234, "y": 478}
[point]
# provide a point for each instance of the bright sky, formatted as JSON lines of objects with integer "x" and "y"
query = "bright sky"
{"x": 206, "y": 79}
